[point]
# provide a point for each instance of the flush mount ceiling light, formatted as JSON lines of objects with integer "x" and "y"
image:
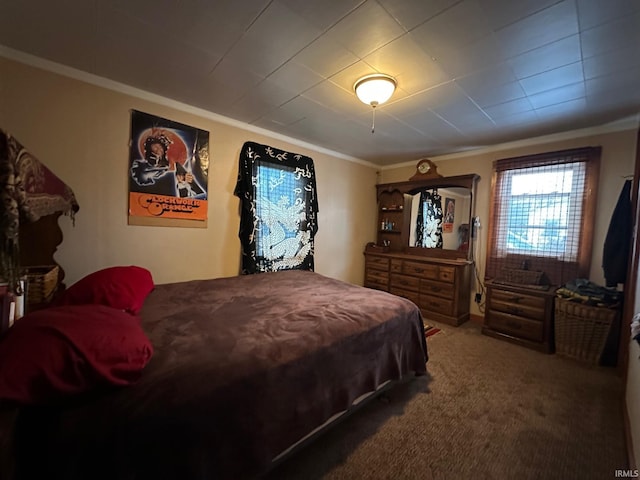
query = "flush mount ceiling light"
{"x": 374, "y": 90}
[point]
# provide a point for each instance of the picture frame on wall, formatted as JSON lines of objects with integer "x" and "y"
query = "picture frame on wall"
{"x": 449, "y": 215}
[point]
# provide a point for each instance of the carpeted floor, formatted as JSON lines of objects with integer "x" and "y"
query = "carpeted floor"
{"x": 486, "y": 410}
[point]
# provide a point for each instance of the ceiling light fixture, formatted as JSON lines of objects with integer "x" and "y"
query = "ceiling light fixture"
{"x": 374, "y": 90}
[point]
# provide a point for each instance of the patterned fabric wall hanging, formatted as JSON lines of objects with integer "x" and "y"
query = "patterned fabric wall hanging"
{"x": 429, "y": 222}
{"x": 278, "y": 221}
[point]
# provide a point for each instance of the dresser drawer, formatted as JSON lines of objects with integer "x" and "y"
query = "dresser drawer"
{"x": 446, "y": 274}
{"x": 517, "y": 326}
{"x": 413, "y": 296}
{"x": 423, "y": 270}
{"x": 396, "y": 265}
{"x": 533, "y": 313}
{"x": 439, "y": 289}
{"x": 405, "y": 282}
{"x": 517, "y": 298}
{"x": 377, "y": 276}
{"x": 436, "y": 304}
{"x": 379, "y": 263}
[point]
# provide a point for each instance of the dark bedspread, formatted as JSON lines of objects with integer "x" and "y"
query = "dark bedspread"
{"x": 243, "y": 368}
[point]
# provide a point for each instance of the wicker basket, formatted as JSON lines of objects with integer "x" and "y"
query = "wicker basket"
{"x": 42, "y": 281}
{"x": 521, "y": 277}
{"x": 581, "y": 330}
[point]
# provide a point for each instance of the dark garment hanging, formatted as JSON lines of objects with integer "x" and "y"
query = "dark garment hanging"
{"x": 615, "y": 256}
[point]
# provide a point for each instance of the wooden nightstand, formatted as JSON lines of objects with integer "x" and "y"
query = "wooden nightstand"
{"x": 520, "y": 315}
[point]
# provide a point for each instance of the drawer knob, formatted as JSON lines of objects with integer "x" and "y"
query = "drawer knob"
{"x": 515, "y": 325}
{"x": 418, "y": 270}
{"x": 515, "y": 299}
{"x": 515, "y": 310}
{"x": 435, "y": 289}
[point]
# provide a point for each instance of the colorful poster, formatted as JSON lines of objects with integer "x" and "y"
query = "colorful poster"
{"x": 449, "y": 215}
{"x": 168, "y": 169}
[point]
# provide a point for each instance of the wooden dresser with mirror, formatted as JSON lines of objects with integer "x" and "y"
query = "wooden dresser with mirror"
{"x": 423, "y": 248}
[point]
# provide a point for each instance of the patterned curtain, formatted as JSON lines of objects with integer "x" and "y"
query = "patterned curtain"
{"x": 429, "y": 222}
{"x": 278, "y": 221}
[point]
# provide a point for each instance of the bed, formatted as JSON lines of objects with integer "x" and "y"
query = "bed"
{"x": 243, "y": 368}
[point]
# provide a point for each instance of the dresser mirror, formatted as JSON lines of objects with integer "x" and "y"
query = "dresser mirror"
{"x": 442, "y": 208}
{"x": 443, "y": 215}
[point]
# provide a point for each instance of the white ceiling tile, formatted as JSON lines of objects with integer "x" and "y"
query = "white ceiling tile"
{"x": 562, "y": 110}
{"x": 457, "y": 27}
{"x": 612, "y": 36}
{"x": 555, "y": 78}
{"x": 546, "y": 26}
{"x": 272, "y": 93}
{"x": 250, "y": 108}
{"x": 614, "y": 102}
{"x": 558, "y": 95}
{"x": 365, "y": 29}
{"x": 431, "y": 124}
{"x": 411, "y": 13}
{"x": 479, "y": 55}
{"x": 235, "y": 73}
{"x": 506, "y": 109}
{"x": 553, "y": 55}
{"x": 623, "y": 82}
{"x": 46, "y": 30}
{"x": 287, "y": 34}
{"x": 611, "y": 62}
{"x": 322, "y": 14}
{"x": 294, "y": 77}
{"x": 592, "y": 13}
{"x": 498, "y": 94}
{"x": 279, "y": 116}
{"x": 501, "y": 13}
{"x": 333, "y": 97}
{"x": 325, "y": 56}
{"x": 462, "y": 113}
{"x": 431, "y": 98}
{"x": 526, "y": 117}
{"x": 482, "y": 80}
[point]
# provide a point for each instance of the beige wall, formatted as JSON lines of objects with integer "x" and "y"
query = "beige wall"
{"x": 81, "y": 132}
{"x": 618, "y": 159}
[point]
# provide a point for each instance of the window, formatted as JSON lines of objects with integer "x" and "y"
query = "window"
{"x": 282, "y": 236}
{"x": 279, "y": 207}
{"x": 542, "y": 214}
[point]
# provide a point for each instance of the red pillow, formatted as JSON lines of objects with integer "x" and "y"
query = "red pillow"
{"x": 60, "y": 351}
{"x": 124, "y": 288}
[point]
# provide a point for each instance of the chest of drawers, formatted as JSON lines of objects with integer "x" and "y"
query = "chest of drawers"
{"x": 440, "y": 287}
{"x": 520, "y": 315}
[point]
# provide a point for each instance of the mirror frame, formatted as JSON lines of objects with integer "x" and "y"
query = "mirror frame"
{"x": 411, "y": 187}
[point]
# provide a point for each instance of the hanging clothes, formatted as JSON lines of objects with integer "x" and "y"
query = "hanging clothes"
{"x": 615, "y": 256}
